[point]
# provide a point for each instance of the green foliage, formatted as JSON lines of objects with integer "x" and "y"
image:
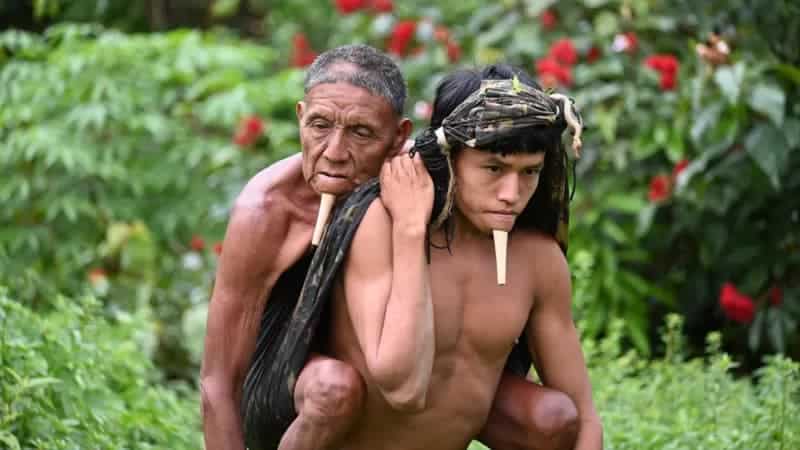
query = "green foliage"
{"x": 119, "y": 149}
{"x": 72, "y": 379}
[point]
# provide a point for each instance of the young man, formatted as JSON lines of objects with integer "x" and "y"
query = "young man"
{"x": 429, "y": 329}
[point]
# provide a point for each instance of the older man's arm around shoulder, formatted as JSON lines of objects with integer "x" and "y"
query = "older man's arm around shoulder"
{"x": 254, "y": 254}
{"x": 554, "y": 339}
{"x": 387, "y": 288}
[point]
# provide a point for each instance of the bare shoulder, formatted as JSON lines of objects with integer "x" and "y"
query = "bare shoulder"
{"x": 259, "y": 223}
{"x": 547, "y": 264}
{"x": 262, "y": 190}
{"x": 372, "y": 241}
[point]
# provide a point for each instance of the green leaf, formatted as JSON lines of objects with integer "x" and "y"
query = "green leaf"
{"x": 790, "y": 72}
{"x": 770, "y": 100}
{"x": 729, "y": 79}
{"x": 791, "y": 128}
{"x": 10, "y": 440}
{"x": 605, "y": 23}
{"x": 756, "y": 330}
{"x": 224, "y": 8}
{"x": 775, "y": 329}
{"x": 767, "y": 147}
{"x": 705, "y": 119}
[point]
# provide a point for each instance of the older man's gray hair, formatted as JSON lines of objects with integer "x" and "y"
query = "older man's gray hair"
{"x": 378, "y": 73}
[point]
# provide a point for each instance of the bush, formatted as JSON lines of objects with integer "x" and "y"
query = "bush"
{"x": 72, "y": 379}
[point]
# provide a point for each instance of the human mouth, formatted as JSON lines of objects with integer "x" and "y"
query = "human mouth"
{"x": 502, "y": 220}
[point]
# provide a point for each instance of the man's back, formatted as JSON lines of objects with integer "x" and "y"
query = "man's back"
{"x": 476, "y": 323}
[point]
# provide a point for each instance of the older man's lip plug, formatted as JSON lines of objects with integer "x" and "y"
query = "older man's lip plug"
{"x": 326, "y": 202}
{"x": 500, "y": 253}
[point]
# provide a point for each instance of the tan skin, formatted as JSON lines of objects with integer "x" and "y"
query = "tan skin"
{"x": 431, "y": 341}
{"x": 270, "y": 229}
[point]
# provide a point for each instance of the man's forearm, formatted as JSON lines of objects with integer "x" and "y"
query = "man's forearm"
{"x": 222, "y": 427}
{"x": 407, "y": 343}
{"x": 590, "y": 435}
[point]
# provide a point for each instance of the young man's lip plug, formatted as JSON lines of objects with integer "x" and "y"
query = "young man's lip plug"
{"x": 326, "y": 202}
{"x": 500, "y": 253}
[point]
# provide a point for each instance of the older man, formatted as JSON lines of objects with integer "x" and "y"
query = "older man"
{"x": 351, "y": 120}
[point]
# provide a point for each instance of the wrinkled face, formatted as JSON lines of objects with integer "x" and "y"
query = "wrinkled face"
{"x": 493, "y": 189}
{"x": 346, "y": 133}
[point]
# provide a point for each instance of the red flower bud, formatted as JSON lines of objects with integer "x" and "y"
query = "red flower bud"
{"x": 775, "y": 296}
{"x": 402, "y": 34}
{"x": 564, "y": 52}
{"x": 593, "y": 54}
{"x": 679, "y": 167}
{"x": 737, "y": 306}
{"x": 349, "y": 6}
{"x": 453, "y": 51}
{"x": 659, "y": 188}
{"x": 385, "y": 6}
{"x": 548, "y": 19}
{"x": 197, "y": 243}
{"x": 249, "y": 130}
{"x": 96, "y": 275}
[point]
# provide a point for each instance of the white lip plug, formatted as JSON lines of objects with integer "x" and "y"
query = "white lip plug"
{"x": 326, "y": 202}
{"x": 500, "y": 254}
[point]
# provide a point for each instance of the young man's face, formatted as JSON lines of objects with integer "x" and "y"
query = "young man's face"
{"x": 346, "y": 133}
{"x": 493, "y": 189}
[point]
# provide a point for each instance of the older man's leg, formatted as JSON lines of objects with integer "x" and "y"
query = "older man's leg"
{"x": 329, "y": 398}
{"x": 528, "y": 416}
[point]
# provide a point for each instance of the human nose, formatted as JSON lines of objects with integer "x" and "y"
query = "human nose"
{"x": 509, "y": 189}
{"x": 336, "y": 148}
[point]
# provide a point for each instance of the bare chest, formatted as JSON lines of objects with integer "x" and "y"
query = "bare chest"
{"x": 471, "y": 312}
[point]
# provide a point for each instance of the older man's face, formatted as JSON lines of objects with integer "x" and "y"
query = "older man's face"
{"x": 346, "y": 133}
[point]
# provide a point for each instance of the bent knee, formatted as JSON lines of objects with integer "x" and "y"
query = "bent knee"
{"x": 329, "y": 388}
{"x": 556, "y": 415}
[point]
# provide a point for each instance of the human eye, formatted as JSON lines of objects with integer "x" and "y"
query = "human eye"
{"x": 363, "y": 131}
{"x": 533, "y": 171}
{"x": 319, "y": 124}
{"x": 492, "y": 168}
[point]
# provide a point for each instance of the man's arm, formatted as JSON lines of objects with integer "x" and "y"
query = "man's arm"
{"x": 245, "y": 277}
{"x": 391, "y": 310}
{"x": 552, "y": 337}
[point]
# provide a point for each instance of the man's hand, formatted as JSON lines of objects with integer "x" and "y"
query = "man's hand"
{"x": 407, "y": 191}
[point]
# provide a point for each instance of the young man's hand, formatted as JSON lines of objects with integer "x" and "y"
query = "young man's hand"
{"x": 407, "y": 192}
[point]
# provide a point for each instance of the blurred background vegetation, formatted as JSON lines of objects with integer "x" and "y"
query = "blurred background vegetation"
{"x": 128, "y": 127}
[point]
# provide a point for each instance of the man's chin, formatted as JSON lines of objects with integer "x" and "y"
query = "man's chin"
{"x": 332, "y": 185}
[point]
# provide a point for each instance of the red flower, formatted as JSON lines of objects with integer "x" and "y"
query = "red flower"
{"x": 667, "y": 65}
{"x": 548, "y": 19}
{"x": 249, "y": 130}
{"x": 737, "y": 306}
{"x": 197, "y": 243}
{"x": 625, "y": 42}
{"x": 775, "y": 296}
{"x": 96, "y": 275}
{"x": 441, "y": 34}
{"x": 663, "y": 63}
{"x": 383, "y": 5}
{"x": 218, "y": 248}
{"x": 401, "y": 36}
{"x": 679, "y": 167}
{"x": 593, "y": 54}
{"x": 659, "y": 188}
{"x": 564, "y": 52}
{"x": 453, "y": 51}
{"x": 302, "y": 54}
{"x": 350, "y": 6}
{"x": 551, "y": 73}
